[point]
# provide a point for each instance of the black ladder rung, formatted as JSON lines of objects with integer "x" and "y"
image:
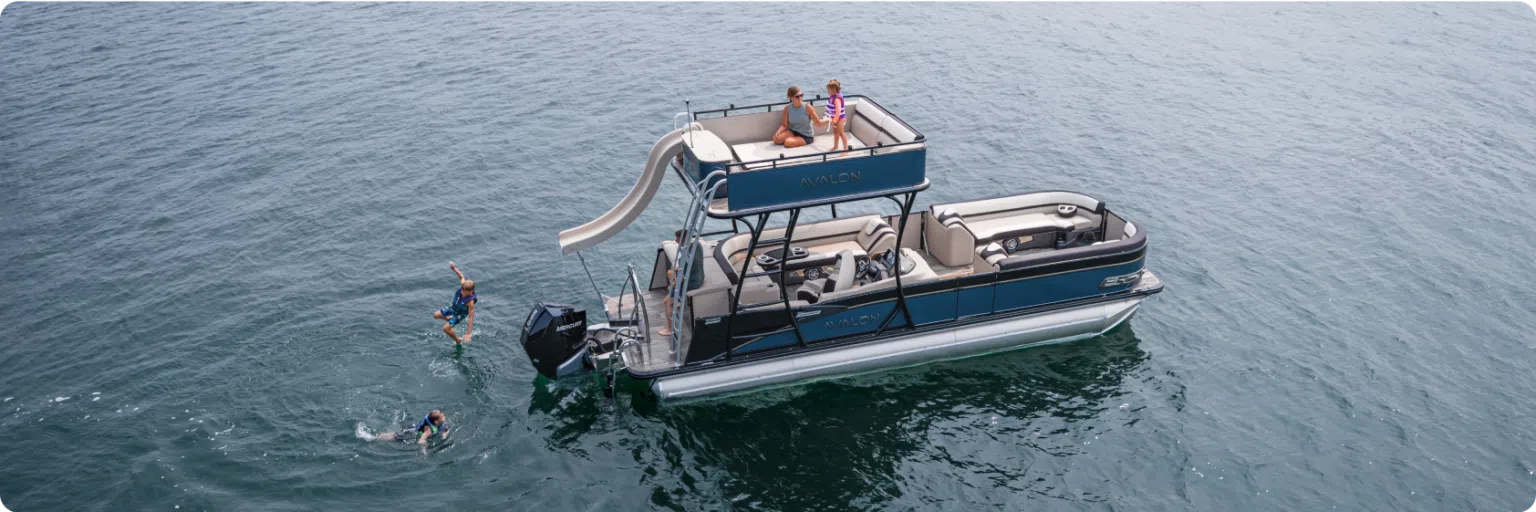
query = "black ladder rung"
{"x": 771, "y": 241}
{"x": 765, "y": 273}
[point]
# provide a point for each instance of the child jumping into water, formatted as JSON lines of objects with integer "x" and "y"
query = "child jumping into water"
{"x": 462, "y": 309}
{"x": 836, "y": 114}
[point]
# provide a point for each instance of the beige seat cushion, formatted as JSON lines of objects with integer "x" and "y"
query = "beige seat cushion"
{"x": 754, "y": 151}
{"x": 837, "y": 248}
{"x": 990, "y": 229}
{"x": 920, "y": 272}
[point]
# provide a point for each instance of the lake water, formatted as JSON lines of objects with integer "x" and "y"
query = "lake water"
{"x": 225, "y": 226}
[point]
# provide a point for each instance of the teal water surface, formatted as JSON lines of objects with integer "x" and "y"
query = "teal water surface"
{"x": 223, "y": 229}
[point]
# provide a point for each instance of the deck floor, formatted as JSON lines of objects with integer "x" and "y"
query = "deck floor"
{"x": 654, "y": 354}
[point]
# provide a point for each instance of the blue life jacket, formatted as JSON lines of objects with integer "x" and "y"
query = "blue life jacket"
{"x": 426, "y": 422}
{"x": 461, "y": 303}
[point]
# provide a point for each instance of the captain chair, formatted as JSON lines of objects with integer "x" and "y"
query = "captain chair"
{"x": 844, "y": 273}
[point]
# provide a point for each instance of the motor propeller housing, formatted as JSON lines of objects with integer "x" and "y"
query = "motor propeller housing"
{"x": 554, "y": 337}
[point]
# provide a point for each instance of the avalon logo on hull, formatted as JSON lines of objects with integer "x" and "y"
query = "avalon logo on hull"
{"x": 851, "y": 322}
{"x": 830, "y": 179}
{"x": 1111, "y": 282}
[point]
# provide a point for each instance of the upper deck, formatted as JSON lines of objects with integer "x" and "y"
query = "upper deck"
{"x": 885, "y": 156}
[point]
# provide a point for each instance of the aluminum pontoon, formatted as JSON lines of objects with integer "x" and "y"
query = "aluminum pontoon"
{"x": 754, "y": 306}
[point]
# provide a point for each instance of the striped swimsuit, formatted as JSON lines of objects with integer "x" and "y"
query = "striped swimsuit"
{"x": 835, "y": 108}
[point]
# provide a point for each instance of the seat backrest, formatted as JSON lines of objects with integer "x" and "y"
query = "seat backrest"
{"x": 849, "y": 108}
{"x": 992, "y": 254}
{"x": 810, "y": 291}
{"x": 876, "y": 236}
{"x": 979, "y": 209}
{"x": 844, "y": 272}
{"x": 918, "y": 271}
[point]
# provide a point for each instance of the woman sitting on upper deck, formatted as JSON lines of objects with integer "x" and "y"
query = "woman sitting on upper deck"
{"x": 799, "y": 125}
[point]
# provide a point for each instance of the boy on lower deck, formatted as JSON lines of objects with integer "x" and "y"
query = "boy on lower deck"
{"x": 462, "y": 309}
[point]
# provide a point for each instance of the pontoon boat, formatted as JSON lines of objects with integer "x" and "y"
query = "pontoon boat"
{"x": 756, "y": 305}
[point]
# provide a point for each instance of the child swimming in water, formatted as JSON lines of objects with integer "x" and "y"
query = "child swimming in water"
{"x": 837, "y": 114}
{"x": 434, "y": 423}
{"x": 462, "y": 308}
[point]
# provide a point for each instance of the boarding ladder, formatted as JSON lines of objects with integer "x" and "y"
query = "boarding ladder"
{"x": 693, "y": 224}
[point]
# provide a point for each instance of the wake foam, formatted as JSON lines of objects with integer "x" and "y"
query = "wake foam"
{"x": 362, "y": 433}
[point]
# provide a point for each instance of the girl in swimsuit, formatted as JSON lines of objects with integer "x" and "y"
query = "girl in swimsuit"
{"x": 836, "y": 114}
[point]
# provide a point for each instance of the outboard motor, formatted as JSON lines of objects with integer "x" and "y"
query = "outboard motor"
{"x": 554, "y": 336}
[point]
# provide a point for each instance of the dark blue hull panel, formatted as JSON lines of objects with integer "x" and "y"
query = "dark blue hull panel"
{"x": 933, "y": 308}
{"x": 1037, "y": 291}
{"x": 975, "y": 300}
{"x": 822, "y": 180}
{"x": 862, "y": 316}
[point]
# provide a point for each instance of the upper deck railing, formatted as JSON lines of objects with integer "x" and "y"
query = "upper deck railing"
{"x": 892, "y": 159}
{"x": 769, "y": 107}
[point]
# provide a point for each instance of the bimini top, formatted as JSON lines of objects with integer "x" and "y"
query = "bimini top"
{"x": 885, "y": 156}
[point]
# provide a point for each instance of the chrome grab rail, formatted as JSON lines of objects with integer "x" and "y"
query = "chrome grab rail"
{"x": 632, "y": 285}
{"x": 639, "y": 320}
{"x": 640, "y": 313}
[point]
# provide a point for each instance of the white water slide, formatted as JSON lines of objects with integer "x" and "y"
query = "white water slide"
{"x": 622, "y": 214}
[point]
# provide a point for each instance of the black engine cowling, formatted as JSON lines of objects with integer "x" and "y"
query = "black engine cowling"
{"x": 552, "y": 335}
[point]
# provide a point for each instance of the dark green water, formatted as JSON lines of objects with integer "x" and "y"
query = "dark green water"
{"x": 223, "y": 229}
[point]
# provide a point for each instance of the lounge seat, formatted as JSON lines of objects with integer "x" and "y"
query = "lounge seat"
{"x": 1025, "y": 225}
{"x": 955, "y": 231}
{"x": 991, "y": 253}
{"x": 864, "y": 235}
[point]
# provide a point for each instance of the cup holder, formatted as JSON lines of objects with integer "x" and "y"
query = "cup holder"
{"x": 1066, "y": 210}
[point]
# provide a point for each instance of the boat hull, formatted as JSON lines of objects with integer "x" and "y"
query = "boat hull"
{"x": 958, "y": 342}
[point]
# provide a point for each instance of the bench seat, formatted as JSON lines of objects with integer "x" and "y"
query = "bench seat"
{"x": 956, "y": 233}
{"x": 1025, "y": 225}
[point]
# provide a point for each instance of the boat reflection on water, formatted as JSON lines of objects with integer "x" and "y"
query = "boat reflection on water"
{"x": 856, "y": 438}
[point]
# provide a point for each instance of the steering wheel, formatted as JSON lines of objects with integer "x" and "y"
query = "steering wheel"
{"x": 1010, "y": 245}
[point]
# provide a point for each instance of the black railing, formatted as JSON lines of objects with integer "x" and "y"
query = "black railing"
{"x": 773, "y": 163}
{"x": 768, "y": 107}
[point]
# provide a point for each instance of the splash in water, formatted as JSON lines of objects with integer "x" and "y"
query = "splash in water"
{"x": 362, "y": 433}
